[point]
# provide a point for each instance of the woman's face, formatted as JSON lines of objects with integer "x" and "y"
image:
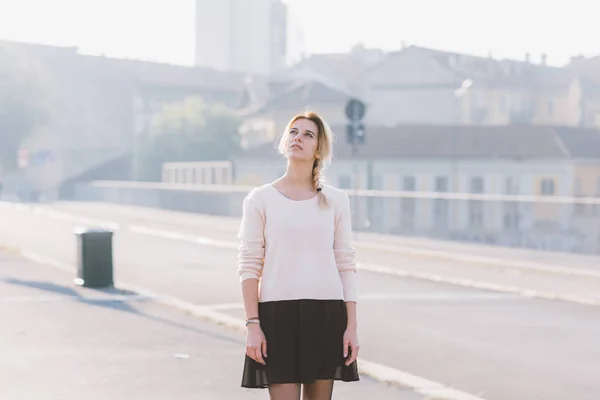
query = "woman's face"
{"x": 302, "y": 140}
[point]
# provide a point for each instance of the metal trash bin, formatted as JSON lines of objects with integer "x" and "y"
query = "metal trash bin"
{"x": 94, "y": 258}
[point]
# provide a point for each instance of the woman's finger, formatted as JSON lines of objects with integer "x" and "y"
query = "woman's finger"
{"x": 258, "y": 355}
{"x": 264, "y": 348}
{"x": 346, "y": 346}
{"x": 353, "y": 355}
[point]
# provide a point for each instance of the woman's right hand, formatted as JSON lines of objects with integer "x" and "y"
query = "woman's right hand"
{"x": 256, "y": 343}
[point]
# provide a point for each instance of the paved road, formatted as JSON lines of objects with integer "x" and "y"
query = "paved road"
{"x": 493, "y": 344}
{"x": 224, "y": 229}
{"x": 219, "y": 225}
{"x": 59, "y": 341}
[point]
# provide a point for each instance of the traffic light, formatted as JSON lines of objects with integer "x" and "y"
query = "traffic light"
{"x": 355, "y": 132}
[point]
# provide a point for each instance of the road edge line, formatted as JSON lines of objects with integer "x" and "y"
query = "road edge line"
{"x": 378, "y": 372}
{"x": 430, "y": 277}
{"x": 401, "y": 249}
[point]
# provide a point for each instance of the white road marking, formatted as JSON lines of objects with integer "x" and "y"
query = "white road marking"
{"x": 446, "y": 297}
{"x": 376, "y": 371}
{"x": 182, "y": 236}
{"x": 420, "y": 385}
{"x": 480, "y": 285}
{"x": 61, "y": 298}
{"x": 64, "y": 216}
{"x": 373, "y": 268}
{"x": 391, "y": 271}
{"x": 48, "y": 261}
{"x": 225, "y": 306}
{"x": 492, "y": 261}
{"x": 406, "y": 250}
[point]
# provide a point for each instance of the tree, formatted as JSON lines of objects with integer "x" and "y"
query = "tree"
{"x": 187, "y": 131}
{"x": 21, "y": 108}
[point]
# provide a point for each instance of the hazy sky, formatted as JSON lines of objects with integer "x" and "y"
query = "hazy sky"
{"x": 163, "y": 30}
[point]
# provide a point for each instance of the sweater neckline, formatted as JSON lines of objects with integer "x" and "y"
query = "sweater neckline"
{"x": 289, "y": 198}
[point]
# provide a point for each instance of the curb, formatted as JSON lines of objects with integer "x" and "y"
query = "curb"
{"x": 378, "y": 372}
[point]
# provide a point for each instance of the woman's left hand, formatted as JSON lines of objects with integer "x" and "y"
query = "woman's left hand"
{"x": 351, "y": 345}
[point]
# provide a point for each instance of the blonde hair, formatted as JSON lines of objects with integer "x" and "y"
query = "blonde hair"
{"x": 324, "y": 149}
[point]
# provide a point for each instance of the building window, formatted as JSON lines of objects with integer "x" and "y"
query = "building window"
{"x": 441, "y": 213}
{"x": 378, "y": 183}
{"x": 345, "y": 182}
{"x": 504, "y": 103}
{"x": 511, "y": 217}
{"x": 477, "y": 184}
{"x": 441, "y": 184}
{"x": 476, "y": 214}
{"x": 510, "y": 186}
{"x": 511, "y": 208}
{"x": 578, "y": 190}
{"x": 476, "y": 207}
{"x": 408, "y": 184}
{"x": 407, "y": 213}
{"x": 547, "y": 187}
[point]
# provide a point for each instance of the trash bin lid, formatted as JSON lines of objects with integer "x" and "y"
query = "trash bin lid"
{"x": 92, "y": 231}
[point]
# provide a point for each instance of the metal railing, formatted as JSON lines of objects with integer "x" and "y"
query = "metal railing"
{"x": 570, "y": 224}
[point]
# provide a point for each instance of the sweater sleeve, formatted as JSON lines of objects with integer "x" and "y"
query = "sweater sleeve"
{"x": 251, "y": 251}
{"x": 344, "y": 250}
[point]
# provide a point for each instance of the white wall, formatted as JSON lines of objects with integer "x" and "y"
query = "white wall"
{"x": 235, "y": 35}
{"x": 213, "y": 33}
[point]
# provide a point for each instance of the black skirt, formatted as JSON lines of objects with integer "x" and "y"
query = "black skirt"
{"x": 304, "y": 344}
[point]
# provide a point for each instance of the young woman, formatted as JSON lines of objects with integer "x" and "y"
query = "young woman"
{"x": 298, "y": 274}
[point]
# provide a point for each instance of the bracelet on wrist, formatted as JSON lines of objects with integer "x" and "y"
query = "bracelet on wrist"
{"x": 252, "y": 321}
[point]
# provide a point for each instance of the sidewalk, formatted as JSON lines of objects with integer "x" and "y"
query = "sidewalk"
{"x": 62, "y": 342}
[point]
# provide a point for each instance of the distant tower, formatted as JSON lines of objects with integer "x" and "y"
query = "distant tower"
{"x": 248, "y": 36}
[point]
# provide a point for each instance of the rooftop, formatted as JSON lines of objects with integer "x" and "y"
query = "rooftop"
{"x": 421, "y": 141}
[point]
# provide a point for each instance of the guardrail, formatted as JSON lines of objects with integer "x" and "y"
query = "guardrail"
{"x": 544, "y": 222}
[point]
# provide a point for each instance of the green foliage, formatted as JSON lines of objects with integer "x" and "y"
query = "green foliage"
{"x": 188, "y": 131}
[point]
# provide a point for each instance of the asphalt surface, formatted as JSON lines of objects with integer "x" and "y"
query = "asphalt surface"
{"x": 62, "y": 342}
{"x": 488, "y": 343}
{"x": 226, "y": 225}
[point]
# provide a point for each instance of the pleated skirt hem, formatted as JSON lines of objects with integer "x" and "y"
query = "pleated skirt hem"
{"x": 304, "y": 344}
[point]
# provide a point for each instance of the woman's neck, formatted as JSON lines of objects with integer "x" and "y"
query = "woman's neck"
{"x": 299, "y": 174}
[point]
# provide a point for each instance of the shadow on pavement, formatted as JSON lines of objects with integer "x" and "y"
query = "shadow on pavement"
{"x": 116, "y": 303}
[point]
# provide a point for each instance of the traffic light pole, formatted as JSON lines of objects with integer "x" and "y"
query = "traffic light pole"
{"x": 355, "y": 135}
{"x": 355, "y": 204}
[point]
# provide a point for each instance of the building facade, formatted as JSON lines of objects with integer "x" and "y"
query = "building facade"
{"x": 423, "y": 86}
{"x": 247, "y": 36}
{"x": 423, "y": 164}
{"x": 98, "y": 110}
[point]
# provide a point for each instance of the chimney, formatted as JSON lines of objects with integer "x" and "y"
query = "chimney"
{"x": 527, "y": 57}
{"x": 544, "y": 59}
